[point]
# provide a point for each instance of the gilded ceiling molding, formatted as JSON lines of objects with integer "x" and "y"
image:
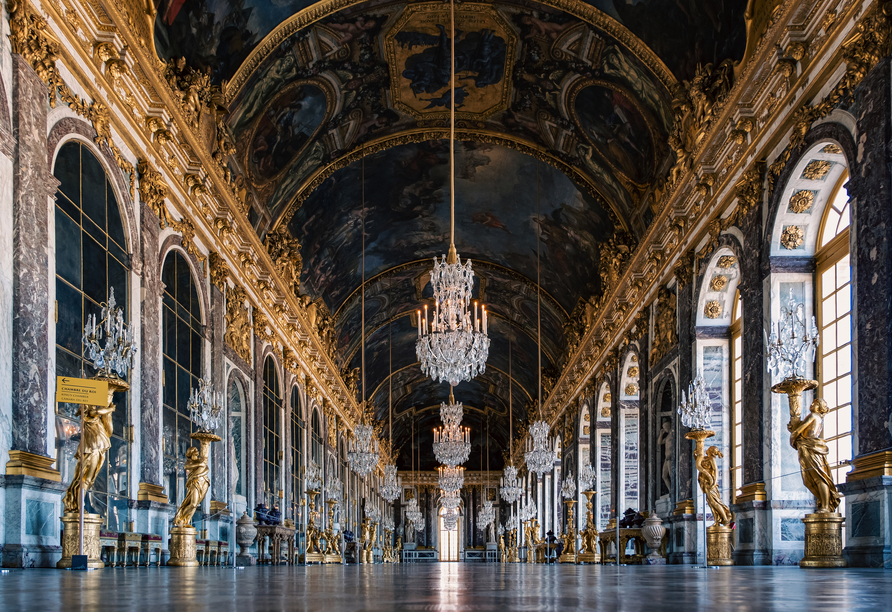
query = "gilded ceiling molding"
{"x": 617, "y": 216}
{"x": 582, "y": 10}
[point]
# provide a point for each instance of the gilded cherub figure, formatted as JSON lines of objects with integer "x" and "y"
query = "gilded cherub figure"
{"x": 197, "y": 483}
{"x": 807, "y": 437}
{"x": 95, "y": 441}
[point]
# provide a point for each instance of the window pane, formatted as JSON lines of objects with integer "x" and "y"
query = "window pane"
{"x": 844, "y": 419}
{"x": 844, "y": 300}
{"x": 843, "y": 271}
{"x": 828, "y": 337}
{"x": 68, "y": 249}
{"x": 844, "y": 330}
{"x": 829, "y": 365}
{"x": 844, "y": 390}
{"x": 828, "y": 283}
{"x": 843, "y": 361}
{"x": 830, "y": 394}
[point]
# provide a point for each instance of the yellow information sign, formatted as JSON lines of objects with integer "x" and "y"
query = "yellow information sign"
{"x": 81, "y": 391}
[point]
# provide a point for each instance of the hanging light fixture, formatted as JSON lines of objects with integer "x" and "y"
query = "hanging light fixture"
{"x": 452, "y": 442}
{"x": 586, "y": 476}
{"x": 487, "y": 514}
{"x": 451, "y": 478}
{"x": 450, "y": 520}
{"x": 510, "y": 488}
{"x": 412, "y": 511}
{"x": 568, "y": 487}
{"x": 393, "y": 484}
{"x": 452, "y": 345}
{"x": 363, "y": 454}
{"x": 450, "y": 500}
{"x": 540, "y": 459}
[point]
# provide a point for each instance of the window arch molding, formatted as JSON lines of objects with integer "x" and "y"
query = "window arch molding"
{"x": 70, "y": 129}
{"x": 174, "y": 242}
{"x": 711, "y": 288}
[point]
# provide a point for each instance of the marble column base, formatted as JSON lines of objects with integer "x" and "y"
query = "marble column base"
{"x": 868, "y": 529}
{"x": 770, "y": 532}
{"x": 29, "y": 512}
{"x": 654, "y": 559}
{"x": 71, "y": 540}
{"x": 682, "y": 534}
{"x": 182, "y": 547}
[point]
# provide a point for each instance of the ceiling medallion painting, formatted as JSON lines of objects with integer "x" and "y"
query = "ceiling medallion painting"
{"x": 417, "y": 51}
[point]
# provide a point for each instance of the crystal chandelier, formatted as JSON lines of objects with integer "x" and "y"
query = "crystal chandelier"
{"x": 334, "y": 489}
{"x": 205, "y": 406}
{"x": 528, "y": 512}
{"x": 371, "y": 512}
{"x": 115, "y": 358}
{"x": 450, "y": 520}
{"x": 540, "y": 459}
{"x": 568, "y": 487}
{"x": 363, "y": 454}
{"x": 363, "y": 451}
{"x": 314, "y": 476}
{"x": 586, "y": 477}
{"x": 454, "y": 346}
{"x": 486, "y": 515}
{"x": 791, "y": 345}
{"x": 393, "y": 484}
{"x": 412, "y": 511}
{"x": 510, "y": 488}
{"x": 694, "y": 408}
{"x": 450, "y": 500}
{"x": 452, "y": 443}
{"x": 451, "y": 478}
{"x": 387, "y": 524}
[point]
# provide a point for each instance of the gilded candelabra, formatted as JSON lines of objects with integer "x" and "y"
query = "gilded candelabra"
{"x": 588, "y": 551}
{"x": 791, "y": 347}
{"x": 315, "y": 553}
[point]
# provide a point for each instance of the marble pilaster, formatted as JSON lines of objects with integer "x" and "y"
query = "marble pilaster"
{"x": 33, "y": 185}
{"x": 149, "y": 354}
{"x": 686, "y": 318}
{"x": 615, "y": 442}
{"x": 215, "y": 331}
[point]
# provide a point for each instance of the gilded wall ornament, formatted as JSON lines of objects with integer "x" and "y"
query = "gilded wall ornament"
{"x": 718, "y": 282}
{"x": 817, "y": 169}
{"x": 792, "y": 237}
{"x": 749, "y": 189}
{"x": 262, "y": 329}
{"x": 607, "y": 397}
{"x": 238, "y": 323}
{"x": 832, "y": 149}
{"x": 153, "y": 191}
{"x": 219, "y": 270}
{"x": 605, "y": 412}
{"x": 666, "y": 335}
{"x": 633, "y": 372}
{"x": 727, "y": 261}
{"x": 802, "y": 201}
{"x": 632, "y": 389}
{"x": 284, "y": 250}
{"x": 712, "y": 310}
{"x": 332, "y": 429}
{"x": 187, "y": 230}
{"x": 635, "y": 357}
{"x": 684, "y": 269}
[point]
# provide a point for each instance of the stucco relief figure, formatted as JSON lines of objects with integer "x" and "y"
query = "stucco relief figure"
{"x": 665, "y": 440}
{"x": 95, "y": 442}
{"x": 707, "y": 477}
{"x": 197, "y": 483}
{"x": 807, "y": 437}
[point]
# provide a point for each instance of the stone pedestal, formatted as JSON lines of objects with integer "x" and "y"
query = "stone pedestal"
{"x": 719, "y": 545}
{"x": 823, "y": 540}
{"x": 182, "y": 547}
{"x": 868, "y": 535}
{"x": 71, "y": 540}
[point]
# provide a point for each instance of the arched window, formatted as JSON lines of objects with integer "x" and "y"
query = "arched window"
{"x": 236, "y": 398}
{"x": 297, "y": 441}
{"x": 317, "y": 439}
{"x": 91, "y": 260}
{"x": 834, "y": 293}
{"x": 182, "y": 345}
{"x": 602, "y": 457}
{"x": 736, "y": 396}
{"x": 272, "y": 434}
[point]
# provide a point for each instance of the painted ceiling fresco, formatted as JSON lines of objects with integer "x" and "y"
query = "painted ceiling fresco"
{"x": 575, "y": 109}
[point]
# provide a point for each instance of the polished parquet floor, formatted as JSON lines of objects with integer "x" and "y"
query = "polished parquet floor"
{"x": 448, "y": 586}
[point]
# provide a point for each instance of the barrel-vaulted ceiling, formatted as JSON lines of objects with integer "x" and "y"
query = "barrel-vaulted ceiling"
{"x": 570, "y": 103}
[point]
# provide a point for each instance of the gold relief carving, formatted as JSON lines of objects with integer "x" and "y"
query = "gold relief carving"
{"x": 666, "y": 335}
{"x": 832, "y": 149}
{"x": 187, "y": 230}
{"x": 632, "y": 389}
{"x": 586, "y": 429}
{"x": 683, "y": 270}
{"x": 607, "y": 397}
{"x": 643, "y": 318}
{"x": 262, "y": 329}
{"x": 238, "y": 323}
{"x": 219, "y": 270}
{"x": 153, "y": 191}
{"x": 284, "y": 250}
{"x": 193, "y": 90}
{"x": 351, "y": 381}
{"x": 614, "y": 254}
{"x": 749, "y": 189}
{"x": 792, "y": 237}
{"x": 802, "y": 201}
{"x": 332, "y": 428}
{"x": 817, "y": 170}
{"x": 633, "y": 371}
{"x": 194, "y": 184}
{"x": 744, "y": 126}
{"x": 727, "y": 261}
{"x": 712, "y": 310}
{"x": 718, "y": 282}
{"x": 605, "y": 412}
{"x": 704, "y": 185}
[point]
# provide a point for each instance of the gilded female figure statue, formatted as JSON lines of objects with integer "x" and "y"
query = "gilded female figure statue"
{"x": 807, "y": 437}
{"x": 708, "y": 479}
{"x": 197, "y": 483}
{"x": 502, "y": 555}
{"x": 95, "y": 441}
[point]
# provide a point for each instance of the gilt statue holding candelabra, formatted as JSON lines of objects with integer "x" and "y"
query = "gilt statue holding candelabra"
{"x": 332, "y": 552}
{"x": 695, "y": 413}
{"x": 588, "y": 550}
{"x": 205, "y": 406}
{"x": 568, "y": 490}
{"x": 112, "y": 361}
{"x": 314, "y": 552}
{"x": 791, "y": 346}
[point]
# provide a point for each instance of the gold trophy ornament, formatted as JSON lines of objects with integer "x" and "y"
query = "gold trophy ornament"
{"x": 205, "y": 407}
{"x": 112, "y": 361}
{"x": 790, "y": 347}
{"x": 695, "y": 411}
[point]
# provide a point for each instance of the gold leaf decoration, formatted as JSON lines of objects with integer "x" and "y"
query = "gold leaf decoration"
{"x": 632, "y": 389}
{"x": 832, "y": 149}
{"x": 727, "y": 261}
{"x": 718, "y": 282}
{"x": 633, "y": 372}
{"x": 712, "y": 310}
{"x": 817, "y": 169}
{"x": 792, "y": 237}
{"x": 802, "y": 201}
